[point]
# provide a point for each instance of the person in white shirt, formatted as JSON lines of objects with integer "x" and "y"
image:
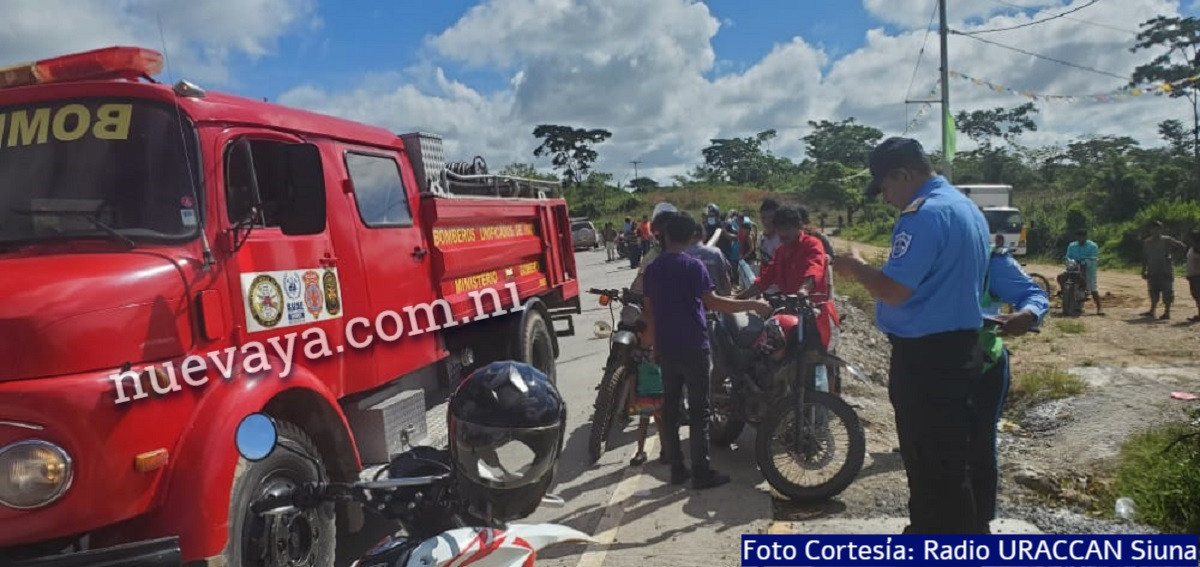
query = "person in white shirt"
{"x": 768, "y": 241}
{"x": 713, "y": 259}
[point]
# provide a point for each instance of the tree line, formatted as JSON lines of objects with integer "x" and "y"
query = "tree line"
{"x": 1109, "y": 184}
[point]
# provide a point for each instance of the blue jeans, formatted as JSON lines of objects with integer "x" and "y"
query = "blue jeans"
{"x": 987, "y": 401}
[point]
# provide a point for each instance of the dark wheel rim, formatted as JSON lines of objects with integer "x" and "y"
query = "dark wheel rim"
{"x": 814, "y": 448}
{"x": 288, "y": 539}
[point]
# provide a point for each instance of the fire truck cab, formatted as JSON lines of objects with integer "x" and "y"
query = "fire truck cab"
{"x": 177, "y": 259}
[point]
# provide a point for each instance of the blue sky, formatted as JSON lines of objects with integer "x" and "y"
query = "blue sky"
{"x": 665, "y": 76}
{"x": 360, "y": 37}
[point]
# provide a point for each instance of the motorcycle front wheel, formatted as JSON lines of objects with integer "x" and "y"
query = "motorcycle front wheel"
{"x": 1069, "y": 299}
{"x": 830, "y": 426}
{"x": 609, "y": 407}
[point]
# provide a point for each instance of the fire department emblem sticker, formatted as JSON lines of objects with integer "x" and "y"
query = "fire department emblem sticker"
{"x": 266, "y": 300}
{"x": 333, "y": 303}
{"x": 313, "y": 300}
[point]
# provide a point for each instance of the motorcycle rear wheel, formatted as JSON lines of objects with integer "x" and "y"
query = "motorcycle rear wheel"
{"x": 778, "y": 421}
{"x": 609, "y": 407}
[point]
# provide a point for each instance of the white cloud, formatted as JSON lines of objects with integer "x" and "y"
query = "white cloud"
{"x": 639, "y": 68}
{"x": 644, "y": 70}
{"x": 201, "y": 35}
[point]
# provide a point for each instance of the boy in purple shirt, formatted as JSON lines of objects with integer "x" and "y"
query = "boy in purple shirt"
{"x": 677, "y": 291}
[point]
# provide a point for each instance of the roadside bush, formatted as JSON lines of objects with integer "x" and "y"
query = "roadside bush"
{"x": 1160, "y": 471}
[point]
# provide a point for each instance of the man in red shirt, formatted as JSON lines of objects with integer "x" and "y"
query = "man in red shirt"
{"x": 799, "y": 266}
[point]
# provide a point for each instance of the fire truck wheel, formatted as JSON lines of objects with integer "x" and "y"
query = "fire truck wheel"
{"x": 305, "y": 537}
{"x": 536, "y": 346}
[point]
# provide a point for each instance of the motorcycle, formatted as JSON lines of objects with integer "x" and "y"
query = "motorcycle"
{"x": 625, "y": 354}
{"x": 1074, "y": 289}
{"x": 766, "y": 373}
{"x": 419, "y": 493}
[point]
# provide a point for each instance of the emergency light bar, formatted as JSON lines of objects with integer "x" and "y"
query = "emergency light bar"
{"x": 109, "y": 62}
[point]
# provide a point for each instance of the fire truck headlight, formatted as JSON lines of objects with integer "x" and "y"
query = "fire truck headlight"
{"x": 33, "y": 473}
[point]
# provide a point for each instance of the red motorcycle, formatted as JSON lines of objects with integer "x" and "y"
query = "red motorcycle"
{"x": 767, "y": 373}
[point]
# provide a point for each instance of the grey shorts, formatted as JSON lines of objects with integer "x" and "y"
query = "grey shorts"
{"x": 1161, "y": 284}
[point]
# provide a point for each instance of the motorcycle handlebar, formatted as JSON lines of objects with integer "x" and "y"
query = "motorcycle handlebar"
{"x": 794, "y": 302}
{"x": 626, "y": 295}
{"x": 313, "y": 494}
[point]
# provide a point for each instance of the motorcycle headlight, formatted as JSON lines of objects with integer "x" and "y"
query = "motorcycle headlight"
{"x": 33, "y": 473}
{"x": 630, "y": 314}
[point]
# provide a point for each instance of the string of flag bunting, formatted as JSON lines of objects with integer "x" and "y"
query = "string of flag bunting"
{"x": 924, "y": 109}
{"x": 1123, "y": 93}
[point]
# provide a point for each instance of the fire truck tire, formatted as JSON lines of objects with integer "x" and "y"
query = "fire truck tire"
{"x": 536, "y": 346}
{"x": 310, "y": 533}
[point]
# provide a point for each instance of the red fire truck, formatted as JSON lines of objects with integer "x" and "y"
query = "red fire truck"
{"x": 175, "y": 259}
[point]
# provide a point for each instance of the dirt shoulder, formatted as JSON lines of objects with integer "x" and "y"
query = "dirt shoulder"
{"x": 1131, "y": 365}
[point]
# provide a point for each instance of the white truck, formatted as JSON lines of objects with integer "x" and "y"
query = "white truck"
{"x": 1003, "y": 219}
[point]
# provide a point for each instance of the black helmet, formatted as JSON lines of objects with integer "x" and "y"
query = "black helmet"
{"x": 507, "y": 423}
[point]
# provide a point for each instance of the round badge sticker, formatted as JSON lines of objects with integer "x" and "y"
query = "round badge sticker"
{"x": 313, "y": 300}
{"x": 266, "y": 301}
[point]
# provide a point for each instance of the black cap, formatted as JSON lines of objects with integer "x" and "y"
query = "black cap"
{"x": 894, "y": 153}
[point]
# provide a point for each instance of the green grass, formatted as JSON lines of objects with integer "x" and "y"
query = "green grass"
{"x": 1163, "y": 483}
{"x": 1043, "y": 384}
{"x": 1070, "y": 327}
{"x": 855, "y": 293}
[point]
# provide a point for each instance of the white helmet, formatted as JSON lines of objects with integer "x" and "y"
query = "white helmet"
{"x": 661, "y": 208}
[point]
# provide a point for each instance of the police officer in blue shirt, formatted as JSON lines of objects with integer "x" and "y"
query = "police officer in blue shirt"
{"x": 928, "y": 303}
{"x": 1008, "y": 284}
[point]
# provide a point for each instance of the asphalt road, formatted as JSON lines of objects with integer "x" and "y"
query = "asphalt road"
{"x": 635, "y": 513}
{"x": 638, "y": 516}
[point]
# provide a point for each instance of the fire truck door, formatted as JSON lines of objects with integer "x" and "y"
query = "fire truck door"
{"x": 382, "y": 198}
{"x": 277, "y": 235}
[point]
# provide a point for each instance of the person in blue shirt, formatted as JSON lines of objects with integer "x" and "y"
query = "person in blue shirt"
{"x": 928, "y": 297}
{"x": 1008, "y": 284}
{"x": 1088, "y": 255}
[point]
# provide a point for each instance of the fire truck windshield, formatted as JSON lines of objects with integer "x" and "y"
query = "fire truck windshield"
{"x": 97, "y": 168}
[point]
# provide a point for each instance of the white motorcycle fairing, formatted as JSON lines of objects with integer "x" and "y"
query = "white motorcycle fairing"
{"x": 516, "y": 546}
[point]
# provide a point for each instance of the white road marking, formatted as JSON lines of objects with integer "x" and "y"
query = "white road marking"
{"x": 607, "y": 529}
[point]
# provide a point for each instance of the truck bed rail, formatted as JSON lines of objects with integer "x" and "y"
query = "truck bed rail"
{"x": 467, "y": 179}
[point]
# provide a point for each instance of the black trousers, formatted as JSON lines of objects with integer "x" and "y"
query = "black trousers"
{"x": 930, "y": 387}
{"x": 987, "y": 399}
{"x": 691, "y": 370}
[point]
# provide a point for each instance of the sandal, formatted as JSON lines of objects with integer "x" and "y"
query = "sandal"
{"x": 638, "y": 459}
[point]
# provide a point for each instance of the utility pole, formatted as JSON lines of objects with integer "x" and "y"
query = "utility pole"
{"x": 943, "y": 32}
{"x": 635, "y": 173}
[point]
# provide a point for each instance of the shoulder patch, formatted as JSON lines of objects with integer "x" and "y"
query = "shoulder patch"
{"x": 914, "y": 206}
{"x": 900, "y": 244}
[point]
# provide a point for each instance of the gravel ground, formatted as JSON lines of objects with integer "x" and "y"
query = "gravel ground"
{"x": 862, "y": 345}
{"x": 881, "y": 489}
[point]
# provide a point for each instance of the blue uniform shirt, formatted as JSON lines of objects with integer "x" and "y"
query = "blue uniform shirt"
{"x": 940, "y": 249}
{"x": 1008, "y": 283}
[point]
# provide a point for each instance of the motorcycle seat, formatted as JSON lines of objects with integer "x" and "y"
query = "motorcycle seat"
{"x": 744, "y": 328}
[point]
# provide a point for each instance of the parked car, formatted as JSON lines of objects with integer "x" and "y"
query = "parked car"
{"x": 585, "y": 235}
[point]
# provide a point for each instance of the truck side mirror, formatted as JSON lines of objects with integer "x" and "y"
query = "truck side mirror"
{"x": 306, "y": 181}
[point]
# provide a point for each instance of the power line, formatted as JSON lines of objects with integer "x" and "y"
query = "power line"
{"x": 1088, "y": 22}
{"x": 1032, "y": 54}
{"x": 921, "y": 54}
{"x": 1036, "y": 22}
